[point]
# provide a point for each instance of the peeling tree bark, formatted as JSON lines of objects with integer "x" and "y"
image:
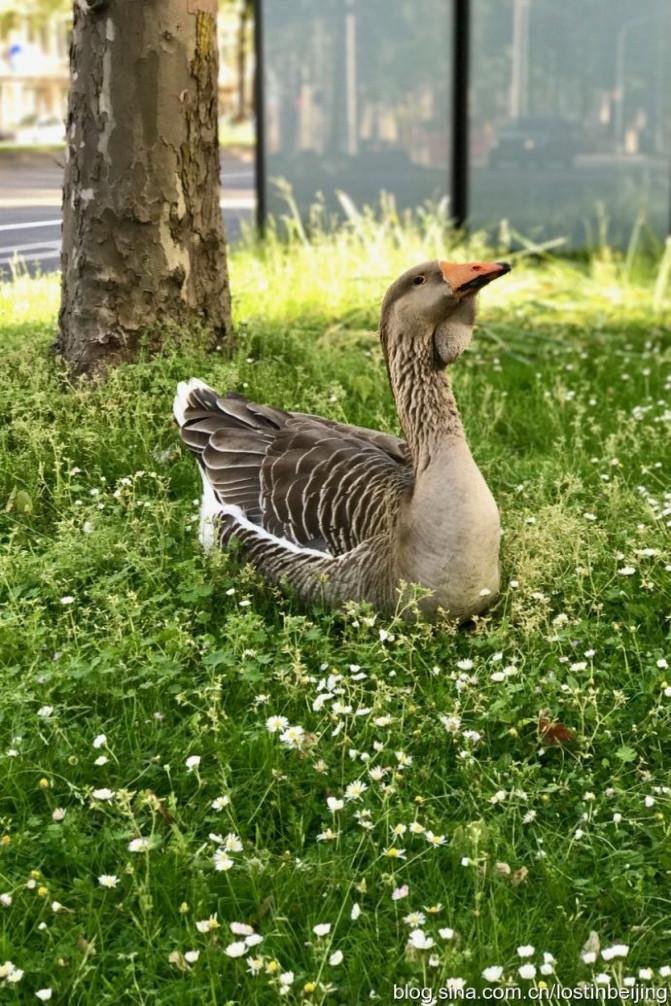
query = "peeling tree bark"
{"x": 143, "y": 240}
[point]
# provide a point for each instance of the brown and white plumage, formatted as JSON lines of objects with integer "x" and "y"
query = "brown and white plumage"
{"x": 321, "y": 506}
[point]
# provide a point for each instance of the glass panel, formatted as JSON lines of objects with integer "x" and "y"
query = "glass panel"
{"x": 571, "y": 116}
{"x": 357, "y": 96}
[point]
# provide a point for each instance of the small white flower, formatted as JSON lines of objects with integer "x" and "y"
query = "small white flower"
{"x": 322, "y": 929}
{"x": 617, "y": 950}
{"x": 602, "y": 979}
{"x": 68, "y": 599}
{"x": 58, "y": 814}
{"x": 293, "y": 737}
{"x": 191, "y": 956}
{"x": 232, "y": 843}
{"x": 139, "y": 845}
{"x": 103, "y": 794}
{"x": 333, "y": 804}
{"x": 5, "y": 900}
{"x": 419, "y": 940}
{"x": 108, "y": 880}
{"x": 662, "y": 663}
{"x": 100, "y": 741}
{"x": 465, "y": 664}
{"x": 286, "y": 979}
{"x": 493, "y": 973}
{"x": 446, "y": 933}
{"x": 649, "y": 801}
{"x": 13, "y": 975}
{"x": 276, "y": 723}
{"x": 336, "y": 958}
{"x": 220, "y": 802}
{"x": 526, "y": 951}
{"x": 434, "y": 840}
{"x": 101, "y": 760}
{"x": 589, "y": 957}
{"x": 56, "y": 907}
{"x": 236, "y": 949}
{"x": 241, "y": 929}
{"x": 45, "y": 712}
{"x": 355, "y": 790}
{"x": 400, "y": 892}
{"x": 626, "y": 571}
{"x": 527, "y": 971}
{"x": 253, "y": 940}
{"x": 355, "y": 913}
{"x": 645, "y": 974}
{"x": 44, "y": 995}
{"x": 222, "y": 861}
{"x": 207, "y": 925}
{"x": 451, "y": 723}
{"x": 192, "y": 762}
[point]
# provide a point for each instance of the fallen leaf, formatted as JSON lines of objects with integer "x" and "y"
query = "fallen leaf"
{"x": 554, "y": 733}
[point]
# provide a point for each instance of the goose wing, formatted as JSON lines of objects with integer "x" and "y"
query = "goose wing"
{"x": 315, "y": 482}
{"x": 328, "y": 486}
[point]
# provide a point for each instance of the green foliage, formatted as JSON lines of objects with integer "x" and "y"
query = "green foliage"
{"x": 114, "y": 624}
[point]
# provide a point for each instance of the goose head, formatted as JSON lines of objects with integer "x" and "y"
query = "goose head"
{"x": 430, "y": 310}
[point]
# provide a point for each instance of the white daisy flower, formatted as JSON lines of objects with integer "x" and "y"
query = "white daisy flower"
{"x": 108, "y": 880}
{"x": 222, "y": 861}
{"x": 276, "y": 723}
{"x": 103, "y": 794}
{"x": 241, "y": 929}
{"x": 140, "y": 845}
{"x": 236, "y": 949}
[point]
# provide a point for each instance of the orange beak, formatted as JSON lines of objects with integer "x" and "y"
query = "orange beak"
{"x": 469, "y": 277}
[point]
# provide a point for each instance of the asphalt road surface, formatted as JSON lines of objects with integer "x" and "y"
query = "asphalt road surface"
{"x": 30, "y": 208}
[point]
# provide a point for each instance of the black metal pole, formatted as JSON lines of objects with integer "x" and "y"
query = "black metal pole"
{"x": 260, "y": 115}
{"x": 460, "y": 119}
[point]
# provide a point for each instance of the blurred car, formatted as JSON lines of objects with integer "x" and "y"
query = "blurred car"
{"x": 536, "y": 143}
{"x": 36, "y": 130}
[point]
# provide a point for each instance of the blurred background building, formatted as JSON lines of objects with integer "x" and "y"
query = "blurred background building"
{"x": 559, "y": 117}
{"x": 554, "y": 118}
{"x": 34, "y": 70}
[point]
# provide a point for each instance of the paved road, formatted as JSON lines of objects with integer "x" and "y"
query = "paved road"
{"x": 30, "y": 208}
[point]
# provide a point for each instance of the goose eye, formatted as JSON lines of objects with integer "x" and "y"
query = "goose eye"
{"x": 418, "y": 280}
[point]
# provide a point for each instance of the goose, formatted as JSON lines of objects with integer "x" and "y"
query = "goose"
{"x": 336, "y": 513}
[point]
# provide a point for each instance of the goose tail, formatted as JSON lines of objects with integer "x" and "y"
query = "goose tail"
{"x": 184, "y": 400}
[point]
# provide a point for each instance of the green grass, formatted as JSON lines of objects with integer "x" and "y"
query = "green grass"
{"x": 565, "y": 397}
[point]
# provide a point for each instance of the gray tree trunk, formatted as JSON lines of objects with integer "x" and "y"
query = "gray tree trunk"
{"x": 143, "y": 240}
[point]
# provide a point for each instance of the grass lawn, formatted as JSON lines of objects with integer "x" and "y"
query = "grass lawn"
{"x": 148, "y": 805}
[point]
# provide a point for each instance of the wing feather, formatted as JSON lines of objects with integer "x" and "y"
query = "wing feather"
{"x": 312, "y": 481}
